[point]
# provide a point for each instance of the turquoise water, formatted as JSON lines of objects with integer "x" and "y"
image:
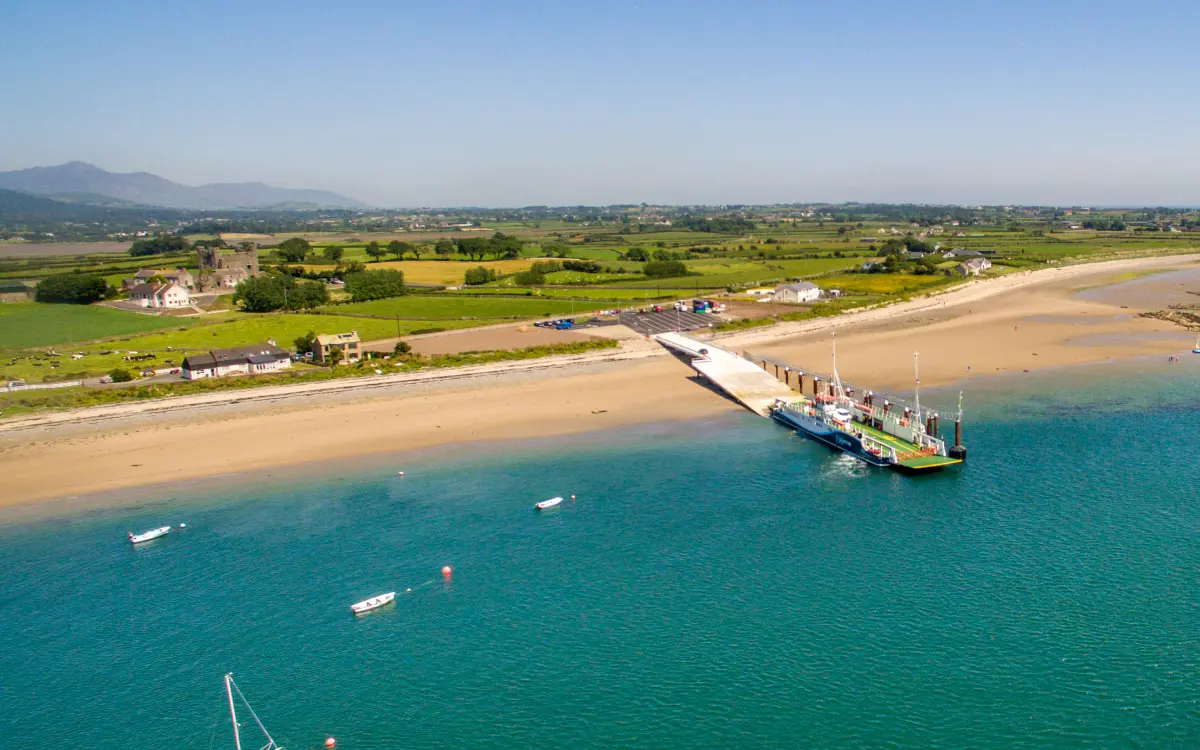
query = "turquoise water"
{"x": 717, "y": 584}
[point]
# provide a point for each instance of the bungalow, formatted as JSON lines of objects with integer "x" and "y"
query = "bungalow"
{"x": 803, "y": 291}
{"x": 346, "y": 343}
{"x": 960, "y": 252}
{"x": 973, "y": 267}
{"x": 167, "y": 294}
{"x": 255, "y": 359}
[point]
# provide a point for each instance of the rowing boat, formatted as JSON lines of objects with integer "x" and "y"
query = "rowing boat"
{"x": 146, "y": 536}
{"x": 374, "y": 602}
{"x": 543, "y": 505}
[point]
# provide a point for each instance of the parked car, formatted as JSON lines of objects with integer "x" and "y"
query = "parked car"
{"x": 106, "y": 379}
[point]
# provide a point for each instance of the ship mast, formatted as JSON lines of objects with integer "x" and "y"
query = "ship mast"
{"x": 837, "y": 380}
{"x": 917, "y": 388}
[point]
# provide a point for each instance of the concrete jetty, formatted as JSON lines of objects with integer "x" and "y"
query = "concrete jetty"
{"x": 741, "y": 379}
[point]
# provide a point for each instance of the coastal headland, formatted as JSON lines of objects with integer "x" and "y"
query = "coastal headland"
{"x": 1013, "y": 323}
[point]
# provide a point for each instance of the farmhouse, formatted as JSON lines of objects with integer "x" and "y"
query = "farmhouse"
{"x": 803, "y": 291}
{"x": 167, "y": 294}
{"x": 960, "y": 252}
{"x": 178, "y": 276}
{"x": 973, "y": 267}
{"x": 346, "y": 343}
{"x": 255, "y": 359}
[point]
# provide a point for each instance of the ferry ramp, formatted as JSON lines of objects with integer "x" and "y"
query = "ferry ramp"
{"x": 742, "y": 380}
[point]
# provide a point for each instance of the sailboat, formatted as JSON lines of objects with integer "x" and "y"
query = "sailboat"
{"x": 230, "y": 688}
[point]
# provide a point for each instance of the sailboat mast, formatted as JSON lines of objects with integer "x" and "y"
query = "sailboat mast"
{"x": 237, "y": 740}
{"x": 837, "y": 380}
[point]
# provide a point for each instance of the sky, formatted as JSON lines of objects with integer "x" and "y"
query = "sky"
{"x": 465, "y": 103}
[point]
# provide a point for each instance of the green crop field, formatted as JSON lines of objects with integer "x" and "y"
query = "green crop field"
{"x": 24, "y": 325}
{"x": 457, "y": 307}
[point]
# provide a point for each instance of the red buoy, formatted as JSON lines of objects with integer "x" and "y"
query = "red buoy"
{"x": 446, "y": 571}
{"x": 330, "y": 742}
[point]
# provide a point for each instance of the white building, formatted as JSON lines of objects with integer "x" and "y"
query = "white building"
{"x": 973, "y": 267}
{"x": 160, "y": 295}
{"x": 802, "y": 291}
{"x": 255, "y": 359}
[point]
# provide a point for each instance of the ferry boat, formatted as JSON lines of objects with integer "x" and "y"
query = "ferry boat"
{"x": 902, "y": 438}
{"x": 146, "y": 536}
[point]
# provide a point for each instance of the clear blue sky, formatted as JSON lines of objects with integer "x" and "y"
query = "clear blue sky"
{"x": 503, "y": 104}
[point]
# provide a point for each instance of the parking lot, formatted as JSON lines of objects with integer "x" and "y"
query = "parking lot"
{"x": 666, "y": 321}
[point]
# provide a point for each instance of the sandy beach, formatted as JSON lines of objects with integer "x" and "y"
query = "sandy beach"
{"x": 1018, "y": 322}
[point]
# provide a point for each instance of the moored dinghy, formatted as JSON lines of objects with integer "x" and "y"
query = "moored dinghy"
{"x": 146, "y": 536}
{"x": 543, "y": 505}
{"x": 374, "y": 602}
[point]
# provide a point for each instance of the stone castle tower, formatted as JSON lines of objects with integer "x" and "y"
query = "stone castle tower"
{"x": 220, "y": 268}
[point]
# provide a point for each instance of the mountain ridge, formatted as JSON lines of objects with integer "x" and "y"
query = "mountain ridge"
{"x": 144, "y": 188}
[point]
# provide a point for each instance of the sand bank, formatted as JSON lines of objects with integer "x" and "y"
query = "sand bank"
{"x": 1017, "y": 322}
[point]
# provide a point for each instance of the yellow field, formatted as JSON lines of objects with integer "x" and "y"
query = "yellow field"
{"x": 439, "y": 271}
{"x": 241, "y": 236}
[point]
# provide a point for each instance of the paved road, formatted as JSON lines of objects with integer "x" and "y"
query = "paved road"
{"x": 651, "y": 323}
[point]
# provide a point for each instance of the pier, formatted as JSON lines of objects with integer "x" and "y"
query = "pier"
{"x": 743, "y": 380}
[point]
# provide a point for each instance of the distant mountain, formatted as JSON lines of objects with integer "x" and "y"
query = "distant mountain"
{"x": 21, "y": 208}
{"x": 147, "y": 189}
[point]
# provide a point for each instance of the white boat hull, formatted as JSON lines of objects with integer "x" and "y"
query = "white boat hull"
{"x": 543, "y": 505}
{"x": 148, "y": 535}
{"x": 374, "y": 602}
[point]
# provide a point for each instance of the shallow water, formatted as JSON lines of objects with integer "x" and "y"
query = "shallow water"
{"x": 719, "y": 583}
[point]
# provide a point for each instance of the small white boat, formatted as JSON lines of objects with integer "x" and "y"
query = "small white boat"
{"x": 543, "y": 505}
{"x": 374, "y": 602}
{"x": 1196, "y": 349}
{"x": 146, "y": 536}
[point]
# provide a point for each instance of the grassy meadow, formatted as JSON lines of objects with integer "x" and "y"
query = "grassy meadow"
{"x": 24, "y": 325}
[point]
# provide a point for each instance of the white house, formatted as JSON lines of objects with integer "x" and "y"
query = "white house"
{"x": 160, "y": 295}
{"x": 255, "y": 359}
{"x": 802, "y": 291}
{"x": 973, "y": 267}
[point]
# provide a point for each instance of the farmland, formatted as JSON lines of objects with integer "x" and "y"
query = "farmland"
{"x": 27, "y": 324}
{"x": 447, "y": 307}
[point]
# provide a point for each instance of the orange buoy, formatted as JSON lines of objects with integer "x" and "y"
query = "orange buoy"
{"x": 330, "y": 742}
{"x": 572, "y": 498}
{"x": 446, "y": 571}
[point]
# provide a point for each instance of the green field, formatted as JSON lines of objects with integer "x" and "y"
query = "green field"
{"x": 457, "y": 307}
{"x": 232, "y": 329}
{"x": 24, "y": 325}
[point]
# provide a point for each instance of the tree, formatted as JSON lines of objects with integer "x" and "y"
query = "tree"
{"x": 375, "y": 251}
{"x": 474, "y": 248}
{"x": 166, "y": 243}
{"x": 444, "y": 249}
{"x": 334, "y": 253}
{"x": 71, "y": 288}
{"x": 402, "y": 347}
{"x": 636, "y": 254}
{"x": 273, "y": 291}
{"x": 480, "y": 275}
{"x": 334, "y": 356}
{"x": 368, "y": 285}
{"x": 305, "y": 343}
{"x": 294, "y": 250}
{"x": 417, "y": 248}
{"x": 120, "y": 375}
{"x": 396, "y": 247}
{"x": 661, "y": 269}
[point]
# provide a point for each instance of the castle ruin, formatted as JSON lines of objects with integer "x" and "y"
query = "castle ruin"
{"x": 224, "y": 269}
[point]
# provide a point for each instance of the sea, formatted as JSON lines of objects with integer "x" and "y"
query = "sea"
{"x": 718, "y": 583}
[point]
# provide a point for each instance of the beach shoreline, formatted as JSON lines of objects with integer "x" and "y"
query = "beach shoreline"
{"x": 1026, "y": 321}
